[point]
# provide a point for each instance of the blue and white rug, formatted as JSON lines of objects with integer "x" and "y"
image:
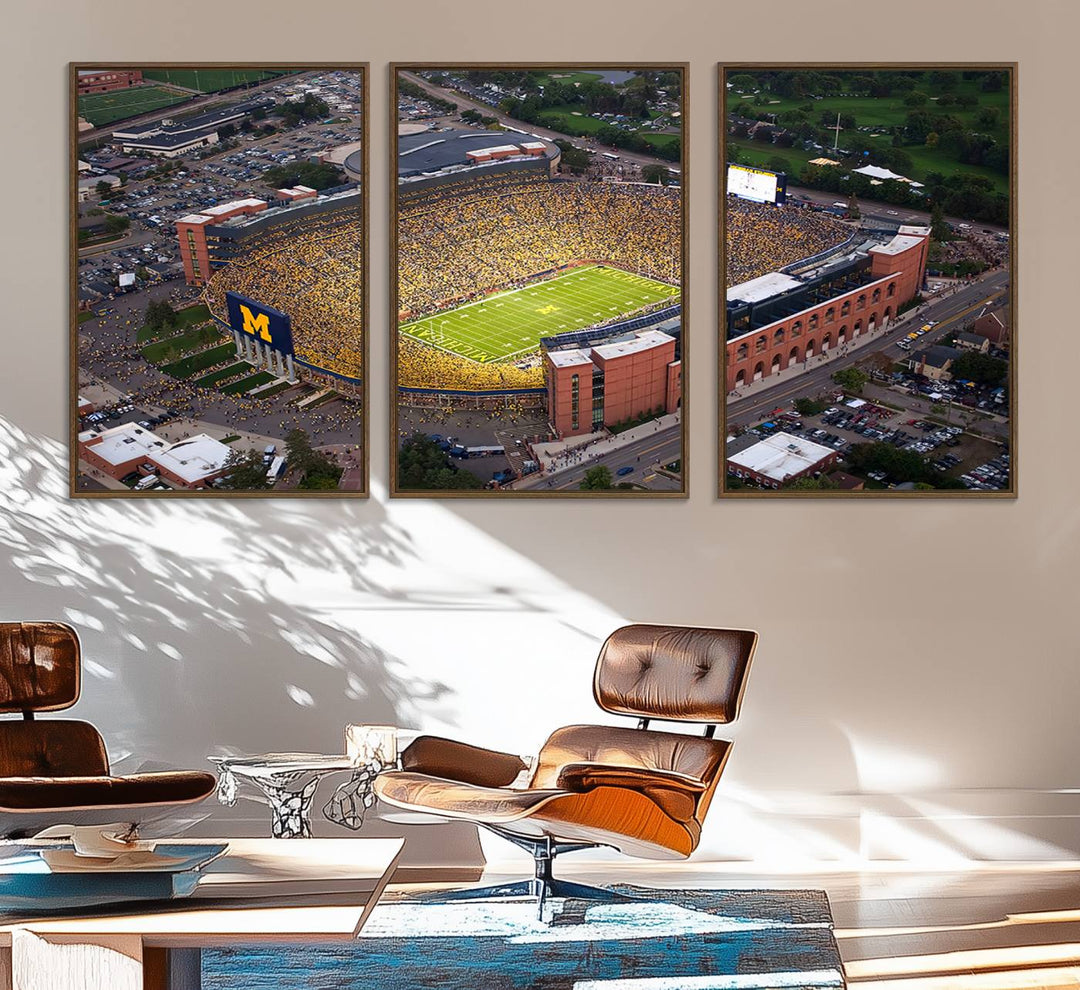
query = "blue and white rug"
{"x": 662, "y": 940}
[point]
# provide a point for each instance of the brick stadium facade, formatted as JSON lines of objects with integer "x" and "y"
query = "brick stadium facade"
{"x": 892, "y": 278}
{"x": 592, "y": 387}
{"x": 106, "y": 80}
{"x": 192, "y": 233}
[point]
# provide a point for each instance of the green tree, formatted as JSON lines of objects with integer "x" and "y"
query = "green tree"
{"x": 160, "y": 315}
{"x": 319, "y": 471}
{"x": 244, "y": 472}
{"x": 915, "y": 98}
{"x": 851, "y": 380}
{"x": 597, "y": 479}
{"x": 809, "y": 407}
{"x": 423, "y": 466}
{"x": 115, "y": 224}
{"x": 979, "y": 368}
{"x": 103, "y": 189}
{"x": 655, "y": 173}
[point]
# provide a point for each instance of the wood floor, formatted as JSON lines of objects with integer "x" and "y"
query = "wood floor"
{"x": 1007, "y": 926}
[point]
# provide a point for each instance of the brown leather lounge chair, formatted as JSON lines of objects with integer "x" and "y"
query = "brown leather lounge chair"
{"x": 56, "y": 771}
{"x": 643, "y": 792}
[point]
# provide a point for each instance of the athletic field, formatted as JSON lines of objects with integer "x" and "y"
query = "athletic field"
{"x": 105, "y": 108}
{"x": 208, "y": 80}
{"x": 510, "y": 323}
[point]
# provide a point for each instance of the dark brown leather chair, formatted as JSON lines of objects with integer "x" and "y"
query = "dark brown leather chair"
{"x": 643, "y": 792}
{"x": 55, "y": 771}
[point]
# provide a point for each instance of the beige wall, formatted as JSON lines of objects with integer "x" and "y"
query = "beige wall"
{"x": 918, "y": 661}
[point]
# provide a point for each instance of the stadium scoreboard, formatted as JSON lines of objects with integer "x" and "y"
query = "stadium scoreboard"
{"x": 757, "y": 184}
{"x": 267, "y": 325}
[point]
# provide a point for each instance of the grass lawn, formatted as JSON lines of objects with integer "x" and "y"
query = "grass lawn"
{"x": 570, "y": 121}
{"x": 247, "y": 384}
{"x": 276, "y": 390}
{"x": 886, "y": 111}
{"x": 105, "y": 108}
{"x": 660, "y": 140}
{"x": 222, "y": 374}
{"x": 189, "y": 340}
{"x": 186, "y": 367}
{"x": 567, "y": 77}
{"x": 510, "y": 323}
{"x": 83, "y": 317}
{"x": 758, "y": 155}
{"x": 208, "y": 80}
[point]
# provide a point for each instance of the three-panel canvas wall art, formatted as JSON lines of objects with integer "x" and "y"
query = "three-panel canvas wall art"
{"x": 540, "y": 323}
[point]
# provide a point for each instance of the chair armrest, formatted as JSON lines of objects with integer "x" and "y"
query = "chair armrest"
{"x": 453, "y": 760}
{"x": 675, "y": 793}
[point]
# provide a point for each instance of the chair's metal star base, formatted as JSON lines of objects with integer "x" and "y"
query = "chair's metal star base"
{"x": 543, "y": 885}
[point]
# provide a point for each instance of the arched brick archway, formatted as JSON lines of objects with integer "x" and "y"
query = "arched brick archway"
{"x": 793, "y": 356}
{"x": 872, "y": 322}
{"x": 826, "y": 342}
{"x": 759, "y": 371}
{"x": 776, "y": 365}
{"x": 740, "y": 378}
{"x": 811, "y": 348}
{"x": 842, "y": 336}
{"x": 858, "y": 328}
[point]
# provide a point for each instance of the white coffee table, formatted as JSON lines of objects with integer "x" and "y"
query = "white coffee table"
{"x": 260, "y": 890}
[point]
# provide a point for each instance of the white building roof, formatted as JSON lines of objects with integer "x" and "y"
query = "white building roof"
{"x": 781, "y": 456}
{"x": 916, "y": 230}
{"x": 195, "y": 458}
{"x": 216, "y": 211}
{"x": 900, "y": 243}
{"x": 123, "y": 443}
{"x": 569, "y": 358}
{"x": 762, "y": 287}
{"x": 642, "y": 342}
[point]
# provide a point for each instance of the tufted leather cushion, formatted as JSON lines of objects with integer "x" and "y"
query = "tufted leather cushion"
{"x": 35, "y": 793}
{"x": 51, "y": 748}
{"x": 680, "y": 673}
{"x": 438, "y": 757}
{"x": 39, "y": 666}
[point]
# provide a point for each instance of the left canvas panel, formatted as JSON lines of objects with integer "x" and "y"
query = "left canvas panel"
{"x": 218, "y": 280}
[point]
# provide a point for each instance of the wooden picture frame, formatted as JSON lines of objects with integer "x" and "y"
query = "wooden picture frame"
{"x": 751, "y": 414}
{"x": 305, "y": 373}
{"x": 531, "y": 132}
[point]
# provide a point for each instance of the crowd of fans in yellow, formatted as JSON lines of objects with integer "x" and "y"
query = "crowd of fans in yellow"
{"x": 312, "y": 269}
{"x": 471, "y": 238}
{"x": 762, "y": 238}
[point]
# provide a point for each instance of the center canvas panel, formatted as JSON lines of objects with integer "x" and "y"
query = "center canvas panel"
{"x": 539, "y": 285}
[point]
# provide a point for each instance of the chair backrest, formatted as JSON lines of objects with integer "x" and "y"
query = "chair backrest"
{"x": 39, "y": 672}
{"x": 674, "y": 673}
{"x": 39, "y": 666}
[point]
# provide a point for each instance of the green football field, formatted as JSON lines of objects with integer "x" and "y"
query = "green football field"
{"x": 510, "y": 323}
{"x": 208, "y": 80}
{"x": 105, "y": 108}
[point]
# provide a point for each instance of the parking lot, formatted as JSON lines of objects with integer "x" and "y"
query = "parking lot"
{"x": 979, "y": 464}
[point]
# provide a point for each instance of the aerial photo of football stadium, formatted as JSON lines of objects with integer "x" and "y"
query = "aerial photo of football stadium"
{"x": 868, "y": 260}
{"x": 539, "y": 234}
{"x": 219, "y": 294}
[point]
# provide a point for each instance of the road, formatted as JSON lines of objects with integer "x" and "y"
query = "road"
{"x": 186, "y": 109}
{"x": 466, "y": 103}
{"x": 661, "y": 447}
{"x": 873, "y": 210}
{"x": 948, "y": 311}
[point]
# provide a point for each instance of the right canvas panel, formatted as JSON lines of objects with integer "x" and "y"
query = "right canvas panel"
{"x": 867, "y": 255}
